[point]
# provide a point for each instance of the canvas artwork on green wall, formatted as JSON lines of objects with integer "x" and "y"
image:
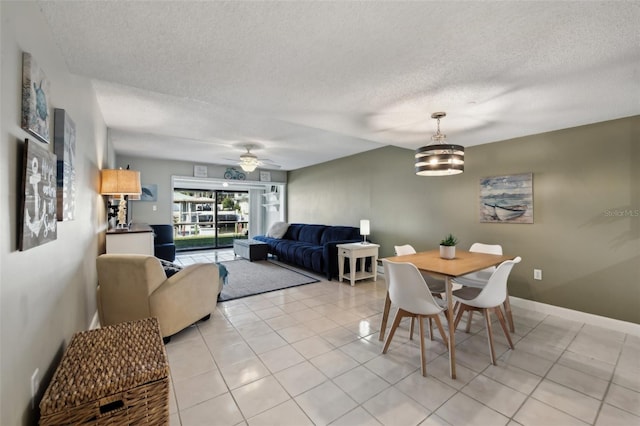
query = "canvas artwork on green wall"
{"x": 507, "y": 199}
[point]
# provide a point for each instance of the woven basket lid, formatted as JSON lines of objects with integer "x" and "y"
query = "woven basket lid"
{"x": 106, "y": 361}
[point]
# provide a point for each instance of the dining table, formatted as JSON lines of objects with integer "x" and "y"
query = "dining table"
{"x": 464, "y": 262}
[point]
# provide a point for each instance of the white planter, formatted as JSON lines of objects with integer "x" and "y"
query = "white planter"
{"x": 447, "y": 252}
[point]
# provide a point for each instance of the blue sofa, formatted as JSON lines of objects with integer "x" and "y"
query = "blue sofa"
{"x": 312, "y": 246}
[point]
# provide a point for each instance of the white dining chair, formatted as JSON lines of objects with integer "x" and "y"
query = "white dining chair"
{"x": 410, "y": 293}
{"x": 487, "y": 299}
{"x": 436, "y": 285}
{"x": 479, "y": 279}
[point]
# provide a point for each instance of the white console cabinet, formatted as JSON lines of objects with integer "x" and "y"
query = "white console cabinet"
{"x": 138, "y": 239}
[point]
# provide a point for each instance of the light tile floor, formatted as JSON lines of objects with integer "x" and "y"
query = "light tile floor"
{"x": 310, "y": 355}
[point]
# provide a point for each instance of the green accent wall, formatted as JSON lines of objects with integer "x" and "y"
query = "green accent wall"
{"x": 586, "y": 231}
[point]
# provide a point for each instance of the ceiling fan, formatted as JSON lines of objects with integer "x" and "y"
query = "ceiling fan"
{"x": 249, "y": 161}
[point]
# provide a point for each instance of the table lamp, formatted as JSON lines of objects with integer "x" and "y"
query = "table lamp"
{"x": 364, "y": 229}
{"x": 119, "y": 183}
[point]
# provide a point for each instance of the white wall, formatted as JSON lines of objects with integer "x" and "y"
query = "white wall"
{"x": 160, "y": 172}
{"x": 47, "y": 293}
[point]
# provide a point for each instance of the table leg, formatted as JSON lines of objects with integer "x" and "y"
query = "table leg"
{"x": 385, "y": 316}
{"x": 340, "y": 267}
{"x": 452, "y": 330}
{"x": 374, "y": 265}
{"x": 352, "y": 269}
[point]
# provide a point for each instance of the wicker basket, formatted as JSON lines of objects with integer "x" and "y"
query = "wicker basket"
{"x": 115, "y": 375}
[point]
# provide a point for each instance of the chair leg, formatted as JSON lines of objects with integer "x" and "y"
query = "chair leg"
{"x": 413, "y": 321}
{"x": 504, "y": 326}
{"x": 469, "y": 318}
{"x": 461, "y": 310}
{"x": 507, "y": 310}
{"x": 430, "y": 329}
{"x": 385, "y": 315}
{"x": 487, "y": 317}
{"x": 423, "y": 356}
{"x": 396, "y": 322}
{"x": 441, "y": 329}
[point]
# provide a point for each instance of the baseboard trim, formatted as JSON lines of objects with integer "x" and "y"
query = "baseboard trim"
{"x": 570, "y": 314}
{"x": 95, "y": 322}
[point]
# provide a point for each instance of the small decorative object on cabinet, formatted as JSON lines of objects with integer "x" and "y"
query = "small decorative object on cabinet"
{"x": 448, "y": 247}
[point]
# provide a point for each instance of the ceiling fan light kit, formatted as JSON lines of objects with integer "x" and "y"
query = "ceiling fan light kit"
{"x": 248, "y": 161}
{"x": 439, "y": 158}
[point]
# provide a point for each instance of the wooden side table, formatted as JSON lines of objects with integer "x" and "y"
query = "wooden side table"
{"x": 355, "y": 251}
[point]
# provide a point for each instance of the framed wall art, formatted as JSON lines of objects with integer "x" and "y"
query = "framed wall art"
{"x": 507, "y": 199}
{"x": 64, "y": 143}
{"x": 265, "y": 176}
{"x": 149, "y": 192}
{"x": 199, "y": 171}
{"x": 35, "y": 99}
{"x": 38, "y": 207}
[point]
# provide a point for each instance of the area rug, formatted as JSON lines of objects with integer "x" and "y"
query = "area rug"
{"x": 248, "y": 278}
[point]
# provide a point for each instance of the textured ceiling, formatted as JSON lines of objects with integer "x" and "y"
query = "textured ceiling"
{"x": 309, "y": 82}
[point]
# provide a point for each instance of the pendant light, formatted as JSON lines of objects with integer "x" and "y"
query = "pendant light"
{"x": 439, "y": 158}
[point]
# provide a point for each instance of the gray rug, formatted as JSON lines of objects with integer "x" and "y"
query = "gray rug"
{"x": 248, "y": 278}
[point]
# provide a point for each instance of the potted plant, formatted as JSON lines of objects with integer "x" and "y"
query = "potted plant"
{"x": 448, "y": 247}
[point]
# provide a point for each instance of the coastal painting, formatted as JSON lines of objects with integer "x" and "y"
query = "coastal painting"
{"x": 64, "y": 141}
{"x": 507, "y": 199}
{"x": 38, "y": 218}
{"x": 35, "y": 99}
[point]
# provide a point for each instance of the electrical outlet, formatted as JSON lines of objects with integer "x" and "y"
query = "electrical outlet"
{"x": 35, "y": 384}
{"x": 155, "y": 208}
{"x": 537, "y": 274}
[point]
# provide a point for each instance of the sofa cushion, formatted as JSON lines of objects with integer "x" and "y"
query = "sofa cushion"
{"x": 277, "y": 230}
{"x": 311, "y": 234}
{"x": 293, "y": 231}
{"x": 340, "y": 233}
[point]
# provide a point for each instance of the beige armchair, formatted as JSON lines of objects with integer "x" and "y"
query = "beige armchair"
{"x": 133, "y": 286}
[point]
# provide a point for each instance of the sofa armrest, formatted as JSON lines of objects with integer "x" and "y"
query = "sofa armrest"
{"x": 330, "y": 255}
{"x": 186, "y": 297}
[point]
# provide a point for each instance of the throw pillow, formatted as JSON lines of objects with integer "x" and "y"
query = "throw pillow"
{"x": 277, "y": 230}
{"x": 222, "y": 270}
{"x": 170, "y": 268}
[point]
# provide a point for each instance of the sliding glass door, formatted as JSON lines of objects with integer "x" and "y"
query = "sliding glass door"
{"x": 206, "y": 219}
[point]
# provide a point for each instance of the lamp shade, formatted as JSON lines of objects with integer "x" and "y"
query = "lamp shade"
{"x": 439, "y": 160}
{"x": 365, "y": 228}
{"x": 120, "y": 182}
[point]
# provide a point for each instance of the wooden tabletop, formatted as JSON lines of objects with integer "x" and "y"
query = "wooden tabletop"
{"x": 464, "y": 263}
